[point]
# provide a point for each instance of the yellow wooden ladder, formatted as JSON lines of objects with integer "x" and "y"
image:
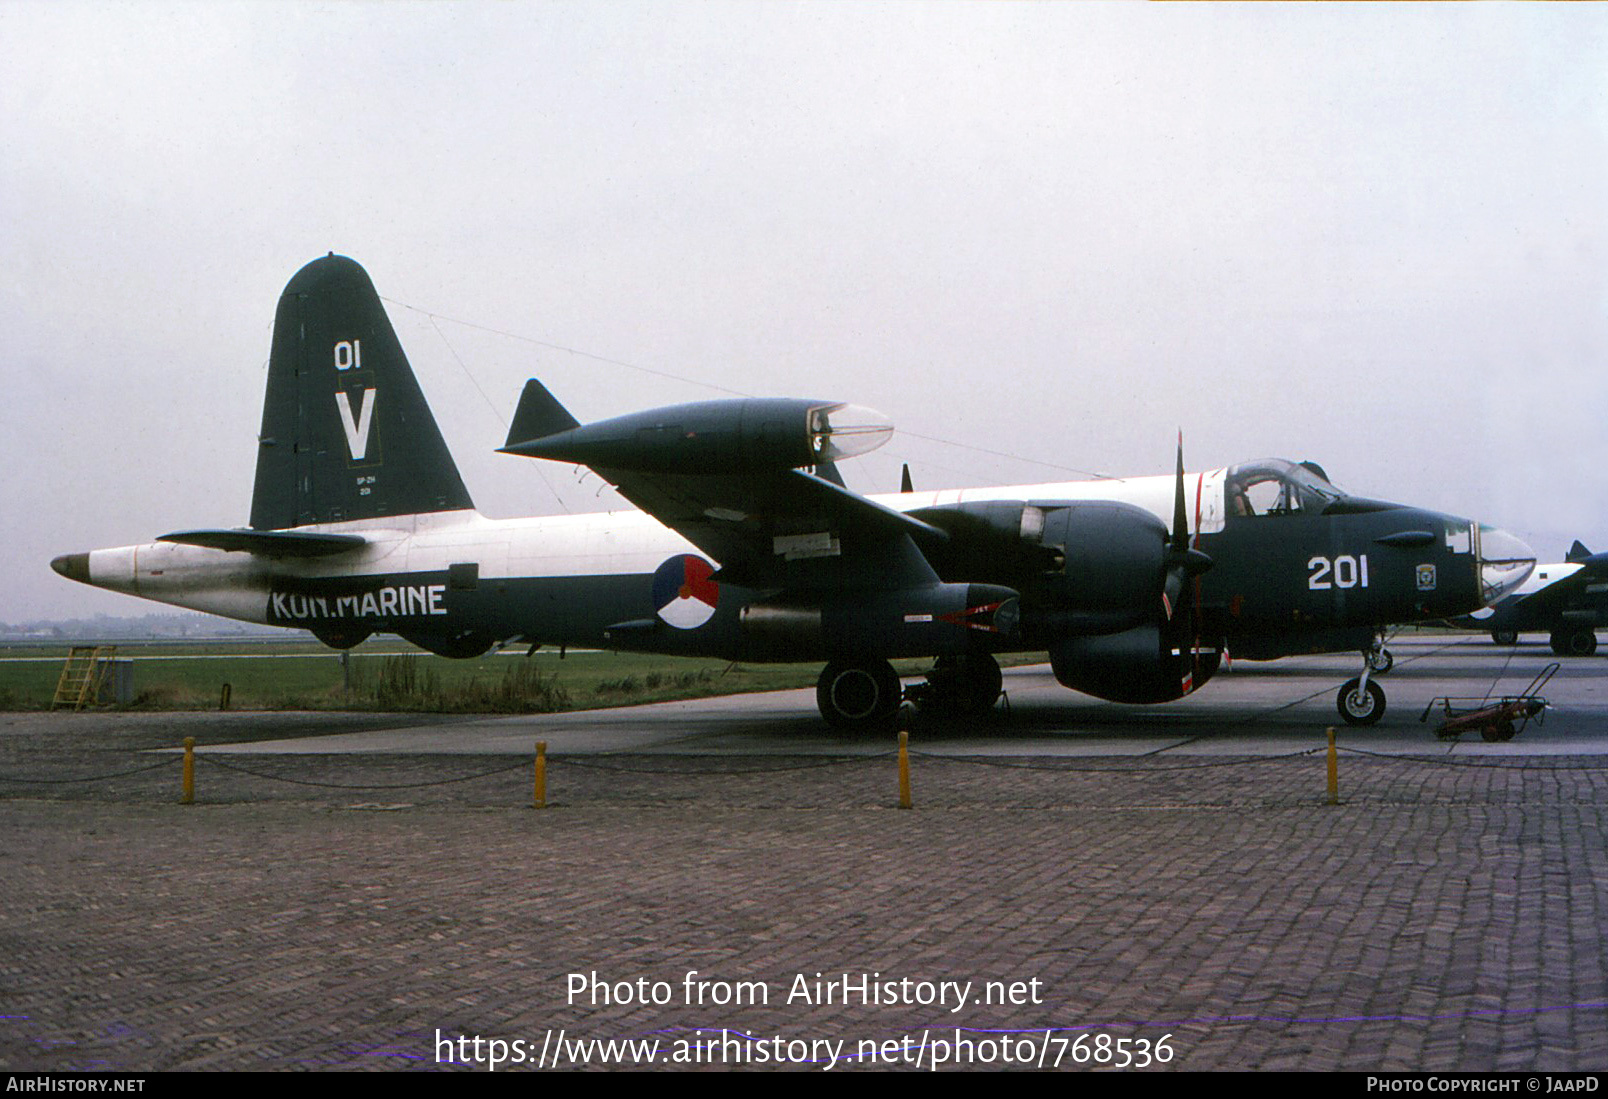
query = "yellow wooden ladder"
{"x": 82, "y": 676}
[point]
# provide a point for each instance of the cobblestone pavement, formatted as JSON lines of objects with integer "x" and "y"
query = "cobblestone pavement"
{"x": 1448, "y": 915}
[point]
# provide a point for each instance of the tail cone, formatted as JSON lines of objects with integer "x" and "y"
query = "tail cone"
{"x": 74, "y": 566}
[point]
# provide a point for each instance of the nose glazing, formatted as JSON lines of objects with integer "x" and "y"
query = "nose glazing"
{"x": 1505, "y": 563}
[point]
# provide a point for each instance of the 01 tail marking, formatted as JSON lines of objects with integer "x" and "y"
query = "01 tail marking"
{"x": 349, "y": 355}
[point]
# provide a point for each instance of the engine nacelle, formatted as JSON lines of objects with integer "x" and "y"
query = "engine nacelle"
{"x": 1136, "y": 665}
{"x": 1114, "y": 558}
{"x": 718, "y": 437}
{"x": 997, "y": 541}
{"x": 1092, "y": 566}
{"x": 1089, "y": 567}
{"x": 938, "y": 620}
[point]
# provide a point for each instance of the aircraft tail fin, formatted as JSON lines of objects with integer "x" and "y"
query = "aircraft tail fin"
{"x": 539, "y": 415}
{"x": 346, "y": 432}
{"x": 1578, "y": 552}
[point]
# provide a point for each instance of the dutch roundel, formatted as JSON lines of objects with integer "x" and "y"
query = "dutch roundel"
{"x": 683, "y": 593}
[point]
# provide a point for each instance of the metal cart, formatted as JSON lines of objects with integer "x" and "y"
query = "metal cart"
{"x": 1495, "y": 719}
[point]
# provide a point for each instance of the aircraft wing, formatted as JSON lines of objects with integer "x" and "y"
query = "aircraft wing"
{"x": 727, "y": 476}
{"x": 784, "y": 528}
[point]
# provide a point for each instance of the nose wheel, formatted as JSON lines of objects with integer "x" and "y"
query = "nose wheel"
{"x": 1361, "y": 701}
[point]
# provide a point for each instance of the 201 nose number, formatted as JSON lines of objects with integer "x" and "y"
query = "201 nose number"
{"x": 1337, "y": 572}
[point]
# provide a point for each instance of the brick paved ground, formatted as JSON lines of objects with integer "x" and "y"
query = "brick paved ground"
{"x": 1448, "y": 916}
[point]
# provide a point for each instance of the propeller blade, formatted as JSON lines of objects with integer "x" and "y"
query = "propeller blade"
{"x": 1171, "y": 588}
{"x": 1178, "y": 595}
{"x": 1180, "y": 531}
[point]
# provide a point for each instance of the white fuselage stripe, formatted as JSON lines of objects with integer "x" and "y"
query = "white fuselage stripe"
{"x": 616, "y": 543}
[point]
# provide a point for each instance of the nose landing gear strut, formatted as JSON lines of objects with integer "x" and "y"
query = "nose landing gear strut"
{"x": 1362, "y": 701}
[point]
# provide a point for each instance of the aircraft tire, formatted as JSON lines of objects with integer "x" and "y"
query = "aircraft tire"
{"x": 1505, "y": 637}
{"x": 1574, "y": 642}
{"x": 966, "y": 686}
{"x": 858, "y": 695}
{"x": 1358, "y": 707}
{"x": 1380, "y": 664}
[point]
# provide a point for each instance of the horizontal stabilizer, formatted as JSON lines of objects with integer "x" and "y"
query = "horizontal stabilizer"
{"x": 539, "y": 415}
{"x": 269, "y": 543}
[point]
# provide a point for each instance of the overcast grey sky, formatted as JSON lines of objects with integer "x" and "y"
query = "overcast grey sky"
{"x": 1376, "y": 237}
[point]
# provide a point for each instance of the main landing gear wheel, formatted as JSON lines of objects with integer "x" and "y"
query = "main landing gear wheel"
{"x": 1505, "y": 637}
{"x": 1360, "y": 704}
{"x": 965, "y": 686}
{"x": 1574, "y": 642}
{"x": 1379, "y": 660}
{"x": 858, "y": 695}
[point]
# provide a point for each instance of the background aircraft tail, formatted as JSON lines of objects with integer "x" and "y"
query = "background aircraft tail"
{"x": 346, "y": 433}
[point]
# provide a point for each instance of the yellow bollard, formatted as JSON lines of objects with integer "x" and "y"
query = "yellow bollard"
{"x": 541, "y": 775}
{"x": 904, "y": 769}
{"x": 188, "y": 797}
{"x": 1334, "y": 772}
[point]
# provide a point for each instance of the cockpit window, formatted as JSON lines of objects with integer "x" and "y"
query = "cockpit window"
{"x": 1277, "y": 487}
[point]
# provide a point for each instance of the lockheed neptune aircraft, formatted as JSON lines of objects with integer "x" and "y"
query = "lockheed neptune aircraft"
{"x": 748, "y": 546}
{"x": 1568, "y": 600}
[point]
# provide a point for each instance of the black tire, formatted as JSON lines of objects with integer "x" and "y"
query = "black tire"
{"x": 983, "y": 684}
{"x": 1574, "y": 642}
{"x": 1381, "y": 663}
{"x": 1357, "y": 707}
{"x": 858, "y": 695}
{"x": 1505, "y": 637}
{"x": 967, "y": 686}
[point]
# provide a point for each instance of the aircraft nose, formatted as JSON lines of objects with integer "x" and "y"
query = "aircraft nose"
{"x": 74, "y": 566}
{"x": 1505, "y": 563}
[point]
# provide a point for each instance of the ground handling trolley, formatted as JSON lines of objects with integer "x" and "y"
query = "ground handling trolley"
{"x": 1493, "y": 718}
